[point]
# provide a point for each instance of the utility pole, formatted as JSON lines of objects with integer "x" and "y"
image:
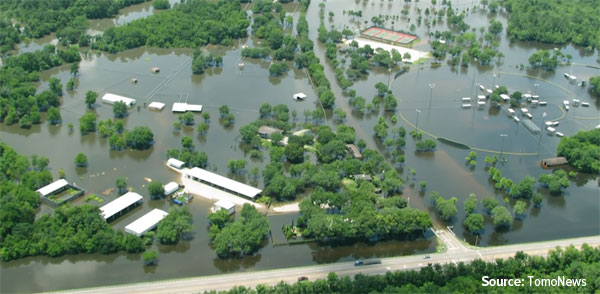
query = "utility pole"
{"x": 431, "y": 86}
{"x": 502, "y": 146}
{"x": 417, "y": 124}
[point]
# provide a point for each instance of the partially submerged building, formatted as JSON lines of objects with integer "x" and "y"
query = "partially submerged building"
{"x": 266, "y": 131}
{"x": 176, "y": 163}
{"x": 362, "y": 177}
{"x": 171, "y": 188}
{"x": 222, "y": 183}
{"x": 113, "y": 98}
{"x": 146, "y": 223}
{"x": 224, "y": 204}
{"x": 531, "y": 127}
{"x": 184, "y": 107}
{"x": 156, "y": 106}
{"x": 354, "y": 151}
{"x": 59, "y": 192}
{"x": 121, "y": 205}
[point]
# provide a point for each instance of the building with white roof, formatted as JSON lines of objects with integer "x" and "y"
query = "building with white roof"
{"x": 53, "y": 187}
{"x": 223, "y": 183}
{"x": 122, "y": 204}
{"x": 146, "y": 223}
{"x": 176, "y": 163}
{"x": 299, "y": 96}
{"x": 224, "y": 204}
{"x": 156, "y": 106}
{"x": 171, "y": 188}
{"x": 113, "y": 98}
{"x": 184, "y": 107}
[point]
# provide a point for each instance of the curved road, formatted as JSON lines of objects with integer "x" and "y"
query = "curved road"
{"x": 456, "y": 252}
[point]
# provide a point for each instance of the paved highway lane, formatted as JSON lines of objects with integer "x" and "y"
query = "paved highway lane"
{"x": 456, "y": 252}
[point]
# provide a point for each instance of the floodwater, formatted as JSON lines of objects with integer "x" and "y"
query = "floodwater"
{"x": 574, "y": 214}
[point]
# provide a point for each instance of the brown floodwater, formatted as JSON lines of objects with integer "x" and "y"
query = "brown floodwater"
{"x": 576, "y": 213}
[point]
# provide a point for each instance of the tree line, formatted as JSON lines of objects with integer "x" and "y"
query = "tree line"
{"x": 191, "y": 24}
{"x": 461, "y": 277}
{"x": 70, "y": 230}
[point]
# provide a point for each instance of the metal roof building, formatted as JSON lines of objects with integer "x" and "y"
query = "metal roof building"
{"x": 224, "y": 204}
{"x": 146, "y": 223}
{"x": 204, "y": 176}
{"x": 176, "y": 163}
{"x": 266, "y": 131}
{"x": 531, "y": 127}
{"x": 184, "y": 107}
{"x": 156, "y": 106}
{"x": 112, "y": 99}
{"x": 52, "y": 187}
{"x": 125, "y": 202}
{"x": 171, "y": 188}
{"x": 554, "y": 161}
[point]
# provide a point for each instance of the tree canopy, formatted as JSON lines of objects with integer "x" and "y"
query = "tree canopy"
{"x": 242, "y": 236}
{"x": 582, "y": 150}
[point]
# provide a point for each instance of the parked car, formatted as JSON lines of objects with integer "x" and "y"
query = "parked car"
{"x": 302, "y": 278}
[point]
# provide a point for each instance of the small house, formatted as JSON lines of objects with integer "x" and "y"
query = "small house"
{"x": 266, "y": 131}
{"x": 299, "y": 96}
{"x": 176, "y": 163}
{"x": 354, "y": 151}
{"x": 155, "y": 70}
{"x": 170, "y": 188}
{"x": 554, "y": 162}
{"x": 224, "y": 204}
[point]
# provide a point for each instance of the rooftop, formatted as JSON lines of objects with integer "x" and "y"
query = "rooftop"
{"x": 52, "y": 187}
{"x": 112, "y": 98}
{"x": 223, "y": 182}
{"x": 268, "y": 130}
{"x": 183, "y": 107}
{"x": 146, "y": 223}
{"x": 119, "y": 204}
{"x": 225, "y": 204}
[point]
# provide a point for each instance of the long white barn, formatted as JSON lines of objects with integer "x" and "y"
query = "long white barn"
{"x": 113, "y": 98}
{"x": 146, "y": 223}
{"x": 223, "y": 183}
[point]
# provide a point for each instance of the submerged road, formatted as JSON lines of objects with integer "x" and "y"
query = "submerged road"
{"x": 456, "y": 252}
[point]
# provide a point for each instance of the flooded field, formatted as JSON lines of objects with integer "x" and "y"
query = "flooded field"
{"x": 576, "y": 213}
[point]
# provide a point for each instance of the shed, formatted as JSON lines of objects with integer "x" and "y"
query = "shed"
{"x": 554, "y": 161}
{"x": 123, "y": 203}
{"x": 155, "y": 70}
{"x": 354, "y": 150}
{"x": 156, "y": 106}
{"x": 299, "y": 96}
{"x": 171, "y": 188}
{"x": 224, "y": 204}
{"x": 505, "y": 97}
{"x": 53, "y": 187}
{"x": 146, "y": 223}
{"x": 176, "y": 163}
{"x": 266, "y": 131}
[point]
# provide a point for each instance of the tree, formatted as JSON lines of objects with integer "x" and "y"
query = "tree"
{"x": 25, "y": 122}
{"x": 120, "y": 109}
{"x": 150, "y": 257}
{"x": 90, "y": 98}
{"x": 474, "y": 223}
{"x": 278, "y": 68}
{"x": 582, "y": 150}
{"x": 390, "y": 103}
{"x": 446, "y": 207}
{"x": 187, "y": 118}
{"x": 139, "y": 138}
{"x": 223, "y": 111}
{"x": 470, "y": 204}
{"x": 244, "y": 235}
{"x": 595, "y": 84}
{"x": 265, "y": 110}
{"x": 235, "y": 166}
{"x": 519, "y": 208}
{"x": 74, "y": 69}
{"x": 55, "y": 86}
{"x": 495, "y": 27}
{"x": 202, "y": 128}
{"x": 187, "y": 142}
{"x": 294, "y": 153}
{"x": 54, "y": 116}
{"x": 556, "y": 181}
{"x": 537, "y": 199}
{"x": 501, "y": 216}
{"x": 81, "y": 160}
{"x": 175, "y": 226}
{"x": 71, "y": 84}
{"x": 489, "y": 203}
{"x": 382, "y": 89}
{"x": 161, "y": 4}
{"x": 121, "y": 184}
{"x": 156, "y": 189}
{"x": 327, "y": 99}
{"x": 87, "y": 123}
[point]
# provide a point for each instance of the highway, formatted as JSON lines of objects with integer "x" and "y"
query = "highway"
{"x": 456, "y": 252}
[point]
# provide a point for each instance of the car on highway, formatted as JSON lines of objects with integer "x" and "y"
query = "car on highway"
{"x": 427, "y": 256}
{"x": 366, "y": 262}
{"x": 302, "y": 278}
